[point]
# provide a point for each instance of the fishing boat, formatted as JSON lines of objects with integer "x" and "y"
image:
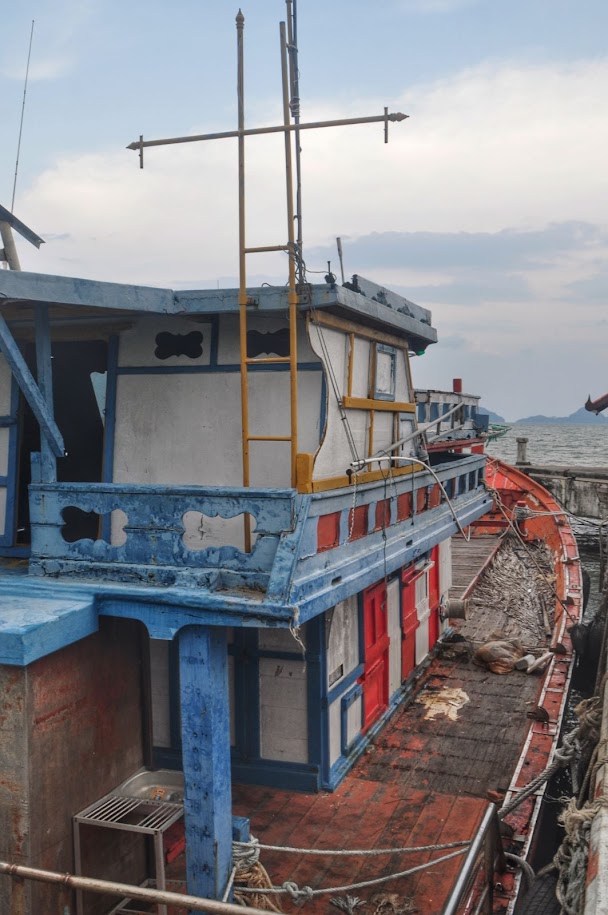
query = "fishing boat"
{"x": 236, "y": 552}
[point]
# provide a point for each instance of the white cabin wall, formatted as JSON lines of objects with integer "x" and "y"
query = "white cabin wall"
{"x": 423, "y": 612}
{"x": 393, "y": 602}
{"x": 333, "y": 349}
{"x": 185, "y": 428}
{"x": 343, "y": 649}
{"x": 283, "y": 710}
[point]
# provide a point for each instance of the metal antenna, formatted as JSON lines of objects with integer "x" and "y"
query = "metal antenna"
{"x": 27, "y": 71}
{"x": 294, "y": 105}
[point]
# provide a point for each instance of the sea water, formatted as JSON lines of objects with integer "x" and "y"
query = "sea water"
{"x": 573, "y": 445}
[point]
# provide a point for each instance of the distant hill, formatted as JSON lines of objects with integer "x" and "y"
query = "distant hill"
{"x": 581, "y": 417}
{"x": 494, "y": 417}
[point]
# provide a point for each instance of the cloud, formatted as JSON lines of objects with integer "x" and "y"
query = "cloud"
{"x": 56, "y": 36}
{"x": 491, "y": 195}
{"x": 507, "y": 249}
{"x": 593, "y": 288}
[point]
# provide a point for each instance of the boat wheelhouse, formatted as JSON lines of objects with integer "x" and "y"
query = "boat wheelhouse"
{"x": 156, "y": 611}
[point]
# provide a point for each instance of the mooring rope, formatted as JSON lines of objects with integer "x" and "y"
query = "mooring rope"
{"x": 572, "y": 855}
{"x": 350, "y": 851}
{"x": 306, "y": 893}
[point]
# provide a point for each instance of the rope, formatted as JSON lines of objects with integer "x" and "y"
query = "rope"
{"x": 572, "y": 855}
{"x": 341, "y": 852}
{"x": 528, "y": 872}
{"x": 250, "y": 876}
{"x": 584, "y": 734}
{"x": 306, "y": 893}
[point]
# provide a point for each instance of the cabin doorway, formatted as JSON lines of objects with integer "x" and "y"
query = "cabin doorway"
{"x": 376, "y": 654}
{"x": 409, "y": 621}
{"x": 79, "y": 385}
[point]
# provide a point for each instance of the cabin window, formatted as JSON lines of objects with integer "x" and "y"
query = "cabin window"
{"x": 168, "y": 345}
{"x": 384, "y": 382}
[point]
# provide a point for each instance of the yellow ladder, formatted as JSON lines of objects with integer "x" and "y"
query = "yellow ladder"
{"x": 292, "y": 296}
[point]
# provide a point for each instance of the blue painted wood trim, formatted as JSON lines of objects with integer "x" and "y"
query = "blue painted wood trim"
{"x": 323, "y": 703}
{"x": 215, "y": 339}
{"x": 30, "y": 389}
{"x": 109, "y": 431}
{"x": 315, "y": 655}
{"x": 213, "y": 369}
{"x": 10, "y": 518}
{"x": 206, "y": 759}
{"x": 41, "y": 625}
{"x": 288, "y": 776}
{"x": 346, "y": 682}
{"x": 44, "y": 372}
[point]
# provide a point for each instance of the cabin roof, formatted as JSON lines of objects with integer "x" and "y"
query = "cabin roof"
{"x": 363, "y": 301}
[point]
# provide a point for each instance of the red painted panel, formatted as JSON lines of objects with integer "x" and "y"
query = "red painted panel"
{"x": 375, "y": 659}
{"x": 328, "y": 532}
{"x": 434, "y": 597}
{"x": 383, "y": 514}
{"x": 357, "y": 522}
{"x": 434, "y": 495}
{"x": 404, "y": 506}
{"x": 421, "y": 495}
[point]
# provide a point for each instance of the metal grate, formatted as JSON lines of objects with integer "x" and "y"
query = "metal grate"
{"x": 132, "y": 814}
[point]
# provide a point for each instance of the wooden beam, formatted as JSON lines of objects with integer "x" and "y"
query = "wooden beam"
{"x": 367, "y": 403}
{"x": 359, "y": 330}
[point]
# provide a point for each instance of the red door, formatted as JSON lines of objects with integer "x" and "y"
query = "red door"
{"x": 375, "y": 658}
{"x": 434, "y": 597}
{"x": 409, "y": 621}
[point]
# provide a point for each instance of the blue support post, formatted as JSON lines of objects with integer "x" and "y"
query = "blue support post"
{"x": 205, "y": 713}
{"x": 44, "y": 371}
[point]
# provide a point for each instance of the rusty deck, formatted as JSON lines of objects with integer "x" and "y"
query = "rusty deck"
{"x": 425, "y": 780}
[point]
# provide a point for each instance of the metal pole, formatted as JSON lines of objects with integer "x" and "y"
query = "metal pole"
{"x": 10, "y": 251}
{"x": 292, "y": 36}
{"x": 110, "y": 888}
{"x": 292, "y": 297}
{"x": 240, "y": 24}
{"x": 256, "y": 131}
{"x": 469, "y": 865}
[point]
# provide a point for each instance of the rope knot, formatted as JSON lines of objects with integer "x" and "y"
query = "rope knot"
{"x": 293, "y": 890}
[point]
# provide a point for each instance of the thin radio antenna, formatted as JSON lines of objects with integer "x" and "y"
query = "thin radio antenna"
{"x": 27, "y": 71}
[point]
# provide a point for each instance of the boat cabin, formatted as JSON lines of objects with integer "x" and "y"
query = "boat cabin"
{"x": 224, "y": 546}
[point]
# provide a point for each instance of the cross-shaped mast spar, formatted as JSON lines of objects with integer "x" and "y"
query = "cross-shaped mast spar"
{"x": 291, "y": 247}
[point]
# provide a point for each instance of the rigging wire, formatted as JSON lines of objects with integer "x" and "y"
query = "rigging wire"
{"x": 27, "y": 71}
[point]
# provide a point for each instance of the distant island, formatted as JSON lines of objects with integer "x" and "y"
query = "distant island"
{"x": 581, "y": 417}
{"x": 494, "y": 417}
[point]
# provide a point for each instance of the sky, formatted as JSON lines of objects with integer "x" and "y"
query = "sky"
{"x": 488, "y": 205}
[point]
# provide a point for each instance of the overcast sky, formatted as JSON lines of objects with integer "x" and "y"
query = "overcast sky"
{"x": 488, "y": 205}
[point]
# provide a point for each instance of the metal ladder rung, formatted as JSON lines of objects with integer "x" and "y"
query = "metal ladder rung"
{"x": 264, "y": 248}
{"x": 269, "y": 438}
{"x": 267, "y": 360}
